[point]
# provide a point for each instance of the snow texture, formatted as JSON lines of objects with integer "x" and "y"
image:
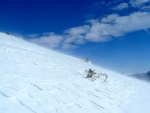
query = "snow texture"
{"x": 34, "y": 79}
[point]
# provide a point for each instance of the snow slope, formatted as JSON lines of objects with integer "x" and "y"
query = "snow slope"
{"x": 34, "y": 79}
{"x": 142, "y": 75}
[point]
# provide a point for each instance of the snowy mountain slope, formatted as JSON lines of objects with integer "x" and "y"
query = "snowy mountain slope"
{"x": 142, "y": 76}
{"x": 37, "y": 80}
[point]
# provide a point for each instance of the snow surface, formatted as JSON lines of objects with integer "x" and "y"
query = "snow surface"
{"x": 34, "y": 79}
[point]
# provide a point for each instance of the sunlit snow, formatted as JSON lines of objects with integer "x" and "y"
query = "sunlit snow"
{"x": 34, "y": 79}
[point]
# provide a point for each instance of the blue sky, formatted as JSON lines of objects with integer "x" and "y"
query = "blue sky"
{"x": 114, "y": 34}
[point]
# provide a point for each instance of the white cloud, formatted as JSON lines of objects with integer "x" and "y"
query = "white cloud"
{"x": 121, "y": 6}
{"x": 76, "y": 34}
{"x": 68, "y": 46}
{"x": 97, "y": 32}
{"x": 137, "y": 3}
{"x": 112, "y": 26}
{"x": 115, "y": 26}
{"x": 33, "y": 35}
{"x": 145, "y": 8}
{"x": 50, "y": 40}
{"x": 134, "y": 22}
{"x": 77, "y": 30}
{"x": 110, "y": 18}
